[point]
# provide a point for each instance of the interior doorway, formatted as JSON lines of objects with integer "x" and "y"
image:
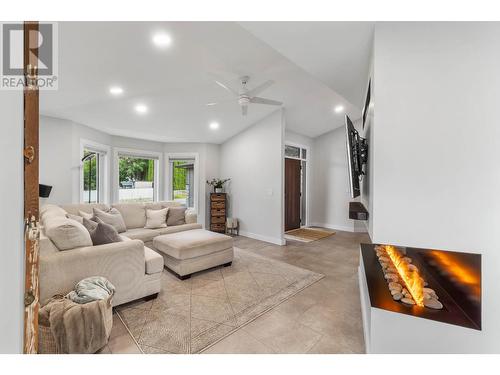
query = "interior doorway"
{"x": 295, "y": 186}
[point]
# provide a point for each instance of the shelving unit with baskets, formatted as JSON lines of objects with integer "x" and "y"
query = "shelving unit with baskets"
{"x": 218, "y": 212}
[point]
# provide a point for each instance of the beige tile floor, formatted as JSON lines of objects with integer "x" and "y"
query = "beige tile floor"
{"x": 323, "y": 318}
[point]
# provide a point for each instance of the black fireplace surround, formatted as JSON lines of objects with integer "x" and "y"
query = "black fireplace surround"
{"x": 455, "y": 276}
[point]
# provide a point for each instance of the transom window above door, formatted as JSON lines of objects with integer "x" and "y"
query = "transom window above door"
{"x": 295, "y": 152}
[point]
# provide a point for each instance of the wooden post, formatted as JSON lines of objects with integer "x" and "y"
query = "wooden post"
{"x": 31, "y": 119}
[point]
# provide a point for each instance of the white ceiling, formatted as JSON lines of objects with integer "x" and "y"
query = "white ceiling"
{"x": 175, "y": 83}
{"x": 337, "y": 53}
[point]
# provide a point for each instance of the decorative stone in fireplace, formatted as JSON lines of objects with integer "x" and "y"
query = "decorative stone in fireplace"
{"x": 439, "y": 298}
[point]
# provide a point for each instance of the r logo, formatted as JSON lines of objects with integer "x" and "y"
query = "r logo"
{"x": 12, "y": 40}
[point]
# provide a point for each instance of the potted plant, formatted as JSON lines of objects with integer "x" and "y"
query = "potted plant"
{"x": 218, "y": 184}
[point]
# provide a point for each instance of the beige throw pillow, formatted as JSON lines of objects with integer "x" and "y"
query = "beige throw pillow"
{"x": 176, "y": 216}
{"x": 113, "y": 217}
{"x": 75, "y": 217}
{"x": 156, "y": 218}
{"x": 67, "y": 234}
{"x": 85, "y": 215}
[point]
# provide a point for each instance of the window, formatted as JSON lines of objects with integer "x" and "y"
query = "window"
{"x": 182, "y": 180}
{"x": 94, "y": 172}
{"x": 137, "y": 178}
{"x": 292, "y": 151}
{"x": 91, "y": 177}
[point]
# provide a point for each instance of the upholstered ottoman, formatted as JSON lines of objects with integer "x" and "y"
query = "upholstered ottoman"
{"x": 194, "y": 250}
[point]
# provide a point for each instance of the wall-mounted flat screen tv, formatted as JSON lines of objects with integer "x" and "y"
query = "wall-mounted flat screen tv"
{"x": 356, "y": 156}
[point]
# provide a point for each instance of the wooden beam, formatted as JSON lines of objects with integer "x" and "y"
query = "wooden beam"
{"x": 31, "y": 178}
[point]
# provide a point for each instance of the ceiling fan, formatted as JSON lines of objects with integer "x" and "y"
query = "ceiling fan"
{"x": 247, "y": 96}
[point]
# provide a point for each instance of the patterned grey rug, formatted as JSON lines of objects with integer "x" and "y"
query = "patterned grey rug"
{"x": 191, "y": 315}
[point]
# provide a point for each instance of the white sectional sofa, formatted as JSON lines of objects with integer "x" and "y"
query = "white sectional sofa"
{"x": 131, "y": 265}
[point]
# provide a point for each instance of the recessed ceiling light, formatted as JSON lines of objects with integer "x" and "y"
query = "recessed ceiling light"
{"x": 141, "y": 108}
{"x": 115, "y": 90}
{"x": 214, "y": 125}
{"x": 339, "y": 109}
{"x": 162, "y": 40}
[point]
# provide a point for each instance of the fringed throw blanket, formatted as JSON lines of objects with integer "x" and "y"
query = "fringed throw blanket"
{"x": 78, "y": 328}
{"x": 81, "y": 322}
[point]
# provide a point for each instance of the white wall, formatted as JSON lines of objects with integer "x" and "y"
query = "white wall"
{"x": 11, "y": 223}
{"x": 296, "y": 138}
{"x": 253, "y": 159}
{"x": 368, "y": 133}
{"x": 437, "y": 138}
{"x": 56, "y": 158}
{"x": 60, "y": 157}
{"x": 330, "y": 183}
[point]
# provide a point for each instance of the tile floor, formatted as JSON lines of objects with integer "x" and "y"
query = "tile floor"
{"x": 323, "y": 318}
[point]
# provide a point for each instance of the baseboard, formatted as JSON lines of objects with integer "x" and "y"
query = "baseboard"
{"x": 364, "y": 229}
{"x": 339, "y": 227}
{"x": 273, "y": 240}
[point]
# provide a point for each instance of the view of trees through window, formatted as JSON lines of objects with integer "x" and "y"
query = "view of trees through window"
{"x": 182, "y": 181}
{"x": 136, "y": 179}
{"x": 90, "y": 177}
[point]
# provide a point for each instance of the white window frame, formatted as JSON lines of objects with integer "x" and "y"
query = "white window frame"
{"x": 104, "y": 168}
{"x": 307, "y": 159}
{"x": 169, "y": 175}
{"x": 130, "y": 152}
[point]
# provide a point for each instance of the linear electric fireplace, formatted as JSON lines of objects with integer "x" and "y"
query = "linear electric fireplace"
{"x": 429, "y": 292}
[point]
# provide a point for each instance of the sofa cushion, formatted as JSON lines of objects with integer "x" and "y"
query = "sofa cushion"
{"x": 134, "y": 214}
{"x": 67, "y": 234}
{"x": 176, "y": 216}
{"x": 190, "y": 216}
{"x": 142, "y": 234}
{"x": 51, "y": 210}
{"x": 179, "y": 228}
{"x": 162, "y": 204}
{"x": 112, "y": 217}
{"x": 75, "y": 208}
{"x": 192, "y": 243}
{"x": 100, "y": 232}
{"x": 86, "y": 215}
{"x": 75, "y": 217}
{"x": 156, "y": 218}
{"x": 154, "y": 261}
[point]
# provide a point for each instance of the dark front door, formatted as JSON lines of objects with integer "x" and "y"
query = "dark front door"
{"x": 292, "y": 194}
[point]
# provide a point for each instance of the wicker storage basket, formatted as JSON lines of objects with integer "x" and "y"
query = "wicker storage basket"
{"x": 46, "y": 340}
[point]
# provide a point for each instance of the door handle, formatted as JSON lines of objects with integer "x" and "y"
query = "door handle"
{"x": 29, "y": 154}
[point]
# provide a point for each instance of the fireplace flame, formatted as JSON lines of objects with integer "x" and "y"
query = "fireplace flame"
{"x": 459, "y": 270}
{"x": 410, "y": 276}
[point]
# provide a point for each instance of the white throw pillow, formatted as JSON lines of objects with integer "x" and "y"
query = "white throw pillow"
{"x": 67, "y": 234}
{"x": 156, "y": 218}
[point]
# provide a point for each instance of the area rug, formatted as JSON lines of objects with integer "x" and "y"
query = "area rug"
{"x": 308, "y": 234}
{"x": 191, "y": 315}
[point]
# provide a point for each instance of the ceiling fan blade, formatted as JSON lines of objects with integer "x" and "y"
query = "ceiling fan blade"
{"x": 224, "y": 86}
{"x": 258, "y": 100}
{"x": 244, "y": 110}
{"x": 260, "y": 88}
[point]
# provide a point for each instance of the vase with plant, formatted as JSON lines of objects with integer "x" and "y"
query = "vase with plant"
{"x": 218, "y": 184}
